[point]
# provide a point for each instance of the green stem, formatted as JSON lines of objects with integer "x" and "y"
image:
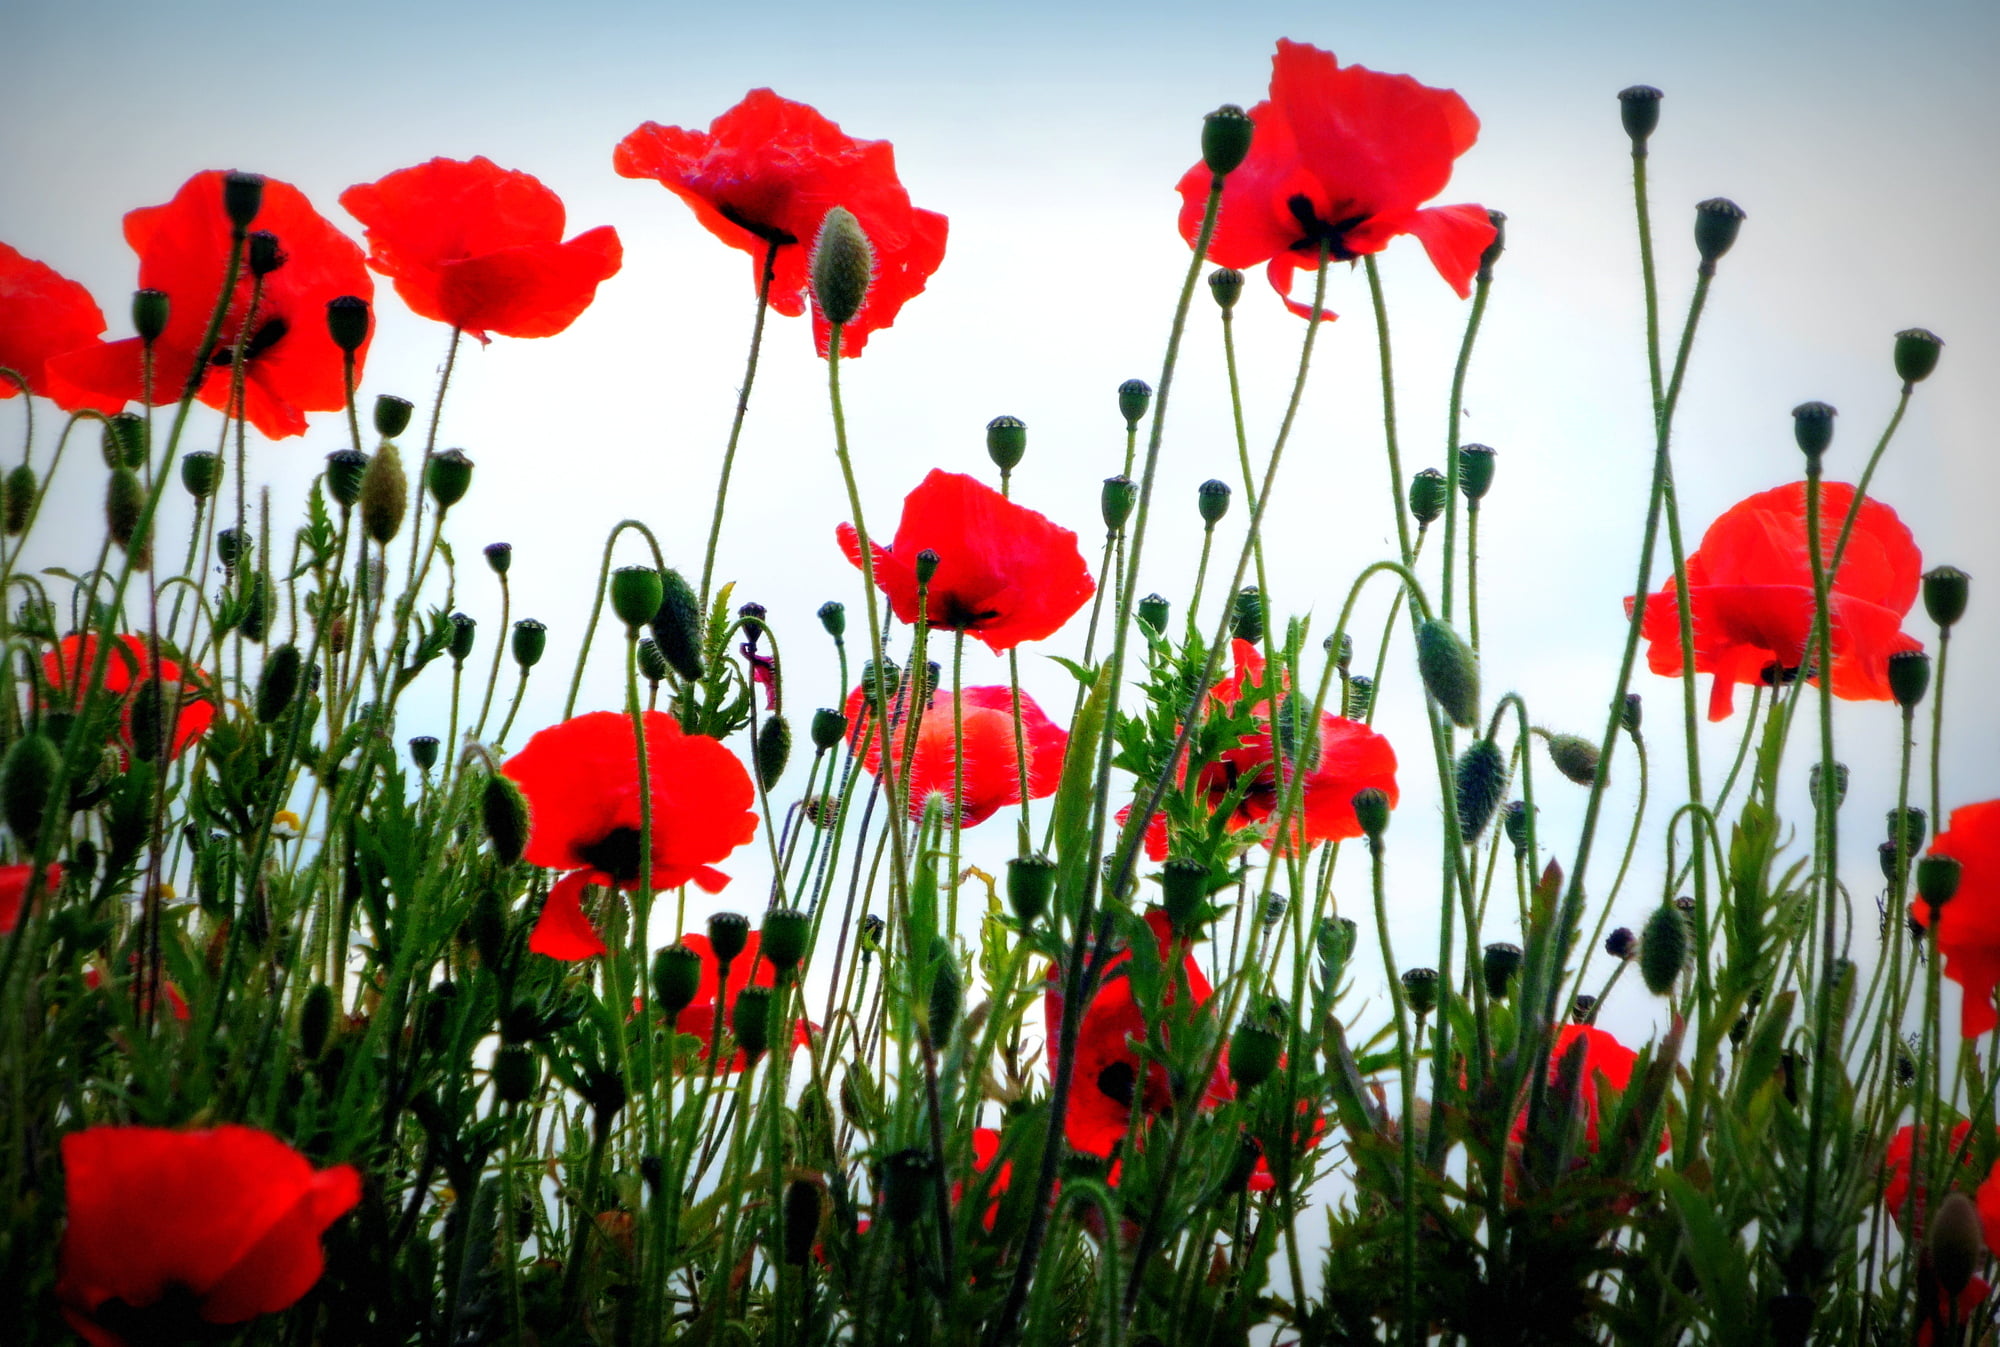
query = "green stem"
{"x": 736, "y": 426}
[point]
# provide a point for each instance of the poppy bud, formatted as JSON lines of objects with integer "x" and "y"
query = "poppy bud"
{"x": 1917, "y": 352}
{"x": 424, "y": 752}
{"x": 1632, "y": 714}
{"x": 1360, "y": 699}
{"x": 1253, "y": 1055}
{"x": 1813, "y": 783}
{"x": 1212, "y": 499}
{"x": 530, "y": 637}
{"x": 1226, "y": 285}
{"x": 774, "y": 750}
{"x": 124, "y": 499}
{"x": 150, "y": 309}
{"x": 242, "y": 198}
{"x": 463, "y": 630}
{"x": 1420, "y": 985}
{"x": 1134, "y": 397}
{"x": 1475, "y": 471}
{"x": 1909, "y": 826}
{"x": 926, "y": 566}
{"x": 907, "y": 1177}
{"x": 1956, "y": 1243}
{"x": 1574, "y": 756}
{"x": 1183, "y": 885}
{"x": 833, "y": 617}
{"x": 1812, "y": 427}
{"x": 199, "y": 471}
{"x": 1450, "y": 671}
{"x": 1944, "y": 589}
{"x": 947, "y": 994}
{"x": 786, "y": 932}
{"x": 1499, "y": 965}
{"x": 20, "y": 499}
{"x": 504, "y": 811}
{"x": 1937, "y": 879}
{"x": 1583, "y": 1008}
{"x": 124, "y": 442}
{"x": 1514, "y": 818}
{"x": 278, "y": 682}
{"x": 1639, "y": 109}
{"x": 676, "y": 979}
{"x": 385, "y": 494}
{"x": 750, "y": 1022}
{"x": 802, "y": 1207}
{"x": 1481, "y": 781}
{"x": 1663, "y": 949}
{"x": 256, "y": 607}
{"x": 1153, "y": 610}
{"x": 1909, "y": 677}
{"x": 1006, "y": 441}
{"x": 728, "y": 933}
{"x": 677, "y": 625}
{"x": 449, "y": 477}
{"x": 605, "y": 1092}
{"x": 843, "y": 265}
{"x": 1717, "y": 221}
{"x": 1621, "y": 943}
{"x": 1427, "y": 493}
{"x": 515, "y": 1073}
{"x": 1116, "y": 500}
{"x": 1371, "y": 811}
{"x": 265, "y": 254}
{"x": 1030, "y": 881}
{"x": 315, "y": 1020}
{"x": 1225, "y": 138}
{"x": 828, "y": 728}
{"x": 26, "y": 775}
{"x": 392, "y": 415}
{"x": 347, "y": 324}
{"x": 1251, "y": 614}
{"x": 1498, "y": 219}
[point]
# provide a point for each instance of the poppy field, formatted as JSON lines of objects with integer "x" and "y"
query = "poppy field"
{"x": 955, "y": 1010}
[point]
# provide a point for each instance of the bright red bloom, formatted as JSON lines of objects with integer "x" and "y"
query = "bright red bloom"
{"x": 1344, "y": 157}
{"x": 291, "y": 365}
{"x": 480, "y": 247}
{"x": 14, "y": 891}
{"x": 128, "y": 668}
{"x": 1968, "y": 935}
{"x": 986, "y": 1149}
{"x": 1606, "y": 1063}
{"x": 232, "y": 1217}
{"x": 1989, "y": 1208}
{"x": 582, "y": 782}
{"x": 1969, "y": 1298}
{"x": 1006, "y": 573}
{"x": 992, "y": 767}
{"x": 762, "y": 178}
{"x": 44, "y": 314}
{"x": 1896, "y": 1172}
{"x": 177, "y": 1003}
{"x": 748, "y": 969}
{"x": 1751, "y": 581}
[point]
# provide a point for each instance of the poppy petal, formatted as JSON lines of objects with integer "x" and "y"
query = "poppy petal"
{"x": 563, "y": 931}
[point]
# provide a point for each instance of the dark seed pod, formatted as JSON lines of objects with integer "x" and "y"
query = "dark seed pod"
{"x": 278, "y": 683}
{"x": 464, "y": 631}
{"x": 1500, "y": 963}
{"x": 605, "y": 1092}
{"x": 1371, "y": 811}
{"x": 515, "y": 1073}
{"x": 1909, "y": 677}
{"x": 652, "y": 664}
{"x": 676, "y": 979}
{"x": 345, "y": 469}
{"x": 315, "y": 1020}
{"x": 255, "y": 623}
{"x": 1225, "y": 138}
{"x": 677, "y": 625}
{"x": 1006, "y": 441}
{"x": 1116, "y": 500}
{"x": 1663, "y": 949}
{"x": 504, "y": 811}
{"x": 1420, "y": 985}
{"x": 1583, "y": 1009}
{"x": 907, "y": 1179}
{"x": 1632, "y": 715}
{"x": 751, "y": 1022}
{"x": 392, "y": 416}
{"x": 802, "y": 1209}
{"x": 1937, "y": 879}
{"x": 150, "y": 311}
{"x": 499, "y": 557}
{"x": 1153, "y": 611}
{"x": 1450, "y": 671}
{"x": 1621, "y": 943}
{"x": 728, "y": 933}
{"x": 1134, "y": 397}
{"x": 1812, "y": 428}
{"x": 1957, "y": 1243}
{"x": 1253, "y": 1055}
{"x": 449, "y": 477}
{"x": 1717, "y": 221}
{"x": 1944, "y": 588}
{"x": 1030, "y": 882}
{"x": 833, "y": 617}
{"x": 1252, "y": 615}
{"x": 1427, "y": 495}
{"x": 1475, "y": 472}
{"x": 1917, "y": 351}
{"x": 200, "y": 471}
{"x": 347, "y": 322}
{"x": 1481, "y": 782}
{"x": 774, "y": 750}
{"x": 1515, "y": 819}
{"x": 1639, "y": 110}
{"x": 124, "y": 501}
{"x": 947, "y": 994}
{"x": 19, "y": 503}
{"x": 529, "y": 640}
{"x": 1909, "y": 824}
{"x": 1212, "y": 499}
{"x": 124, "y": 441}
{"x": 786, "y": 933}
{"x": 424, "y": 752}
{"x": 242, "y": 198}
{"x": 1226, "y": 285}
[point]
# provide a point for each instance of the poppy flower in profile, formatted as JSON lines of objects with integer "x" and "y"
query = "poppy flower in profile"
{"x": 224, "y": 1224}
{"x": 290, "y": 365}
{"x": 1343, "y": 157}
{"x": 581, "y": 779}
{"x": 1968, "y": 934}
{"x": 762, "y": 178}
{"x": 44, "y": 314}
{"x": 747, "y": 969}
{"x": 480, "y": 247}
{"x": 1607, "y": 1063}
{"x": 1751, "y": 585}
{"x": 1006, "y": 574}
{"x": 985, "y": 1150}
{"x": 992, "y": 765}
{"x": 1896, "y": 1172}
{"x": 128, "y": 669}
{"x": 14, "y": 891}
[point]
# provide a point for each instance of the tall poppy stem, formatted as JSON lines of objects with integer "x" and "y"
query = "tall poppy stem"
{"x": 1483, "y": 285}
{"x": 430, "y": 447}
{"x": 958, "y": 771}
{"x": 742, "y": 410}
{"x": 1827, "y": 861}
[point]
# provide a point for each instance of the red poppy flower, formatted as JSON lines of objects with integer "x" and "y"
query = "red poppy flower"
{"x": 1751, "y": 582}
{"x": 1968, "y": 935}
{"x": 1970, "y": 1297}
{"x": 1005, "y": 573}
{"x": 14, "y": 891}
{"x": 1344, "y": 157}
{"x": 230, "y": 1217}
{"x": 986, "y": 1149}
{"x": 128, "y": 668}
{"x": 291, "y": 365}
{"x": 44, "y": 314}
{"x": 1989, "y": 1208}
{"x": 765, "y": 174}
{"x": 1896, "y": 1172}
{"x": 177, "y": 1003}
{"x": 582, "y": 782}
{"x": 1606, "y": 1062}
{"x": 480, "y": 247}
{"x": 992, "y": 766}
{"x": 748, "y": 969}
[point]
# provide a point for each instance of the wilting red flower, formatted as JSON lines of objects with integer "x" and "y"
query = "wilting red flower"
{"x": 762, "y": 178}
{"x": 480, "y": 247}
{"x": 992, "y": 767}
{"x": 1005, "y": 573}
{"x": 1344, "y": 157}
{"x": 44, "y": 314}
{"x": 1751, "y": 582}
{"x": 1989, "y": 1208}
{"x": 1968, "y": 935}
{"x": 14, "y": 891}
{"x": 1896, "y": 1172}
{"x": 748, "y": 969}
{"x": 230, "y": 1217}
{"x": 582, "y": 782}
{"x": 128, "y": 668}
{"x": 291, "y": 365}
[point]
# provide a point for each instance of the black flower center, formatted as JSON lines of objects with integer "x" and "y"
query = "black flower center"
{"x": 955, "y": 614}
{"x": 1118, "y": 1083}
{"x": 1777, "y": 674}
{"x": 263, "y": 339}
{"x": 615, "y": 854}
{"x": 1315, "y": 231}
{"x": 768, "y": 233}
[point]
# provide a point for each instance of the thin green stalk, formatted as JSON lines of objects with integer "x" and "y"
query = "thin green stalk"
{"x": 736, "y": 425}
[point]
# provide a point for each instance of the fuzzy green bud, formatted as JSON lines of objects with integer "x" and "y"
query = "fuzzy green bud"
{"x": 802, "y": 1209}
{"x": 1909, "y": 677}
{"x": 1574, "y": 756}
{"x": 150, "y": 310}
{"x": 1252, "y": 615}
{"x": 124, "y": 441}
{"x": 1500, "y": 962}
{"x": 347, "y": 322}
{"x": 1225, "y": 138}
{"x": 256, "y": 621}
{"x": 1717, "y": 221}
{"x": 1006, "y": 441}
{"x": 124, "y": 501}
{"x": 1153, "y": 611}
{"x": 1427, "y": 495}
{"x": 19, "y": 503}
{"x": 1917, "y": 351}
{"x": 1420, "y": 985}
{"x": 751, "y": 1021}
{"x": 1514, "y": 818}
{"x": 1030, "y": 882}
{"x": 1134, "y": 397}
{"x": 1184, "y": 889}
{"x": 1815, "y": 785}
{"x": 1481, "y": 782}
{"x": 529, "y": 640}
{"x": 1225, "y": 284}
{"x": 345, "y": 471}
{"x": 774, "y": 750}
{"x": 504, "y": 811}
{"x": 728, "y": 933}
{"x": 1116, "y": 500}
{"x": 828, "y": 728}
{"x": 1360, "y": 699}
{"x": 1663, "y": 949}
{"x": 200, "y": 471}
{"x": 636, "y": 593}
{"x": 315, "y": 1020}
{"x": 1639, "y": 110}
{"x": 1944, "y": 587}
{"x": 1475, "y": 472}
{"x": 1371, "y": 811}
{"x": 392, "y": 415}
{"x": 385, "y": 494}
{"x": 266, "y": 256}
{"x": 1812, "y": 428}
{"x": 947, "y": 996}
{"x": 449, "y": 477}
{"x": 1450, "y": 671}
{"x": 1253, "y": 1055}
{"x": 27, "y": 774}
{"x": 651, "y": 663}
{"x": 1212, "y": 499}
{"x": 278, "y": 682}
{"x": 786, "y": 932}
{"x": 515, "y": 1073}
{"x": 1632, "y": 714}
{"x": 843, "y": 266}
{"x": 677, "y": 625}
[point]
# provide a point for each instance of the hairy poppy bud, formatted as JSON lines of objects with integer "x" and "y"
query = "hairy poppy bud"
{"x": 266, "y": 256}
{"x": 1621, "y": 943}
{"x": 1500, "y": 963}
{"x": 499, "y": 557}
{"x": 1475, "y": 472}
{"x": 392, "y": 415}
{"x": 1225, "y": 138}
{"x": 676, "y": 979}
{"x": 1030, "y": 881}
{"x": 1134, "y": 397}
{"x": 256, "y": 621}
{"x": 424, "y": 752}
{"x": 449, "y": 477}
{"x": 1420, "y": 985}
{"x": 1006, "y": 441}
{"x": 1251, "y": 614}
{"x": 947, "y": 993}
{"x": 907, "y": 1177}
{"x": 1574, "y": 756}
{"x": 774, "y": 750}
{"x": 786, "y": 932}
{"x": 1498, "y": 219}
{"x": 1944, "y": 588}
{"x": 1153, "y": 610}
{"x": 385, "y": 494}
{"x": 148, "y": 721}
{"x": 230, "y": 545}
{"x": 1909, "y": 677}
{"x": 1253, "y": 1054}
{"x": 20, "y": 499}
{"x": 1583, "y": 1009}
{"x": 833, "y": 616}
{"x": 1812, "y": 427}
{"x": 1427, "y": 493}
{"x": 605, "y": 1092}
{"x": 345, "y": 469}
{"x": 27, "y": 774}
{"x": 242, "y": 198}
{"x": 750, "y": 1022}
{"x": 1360, "y": 699}
{"x": 1226, "y": 285}
{"x": 1116, "y": 500}
{"x": 1908, "y": 825}
{"x": 728, "y": 933}
{"x": 1184, "y": 887}
{"x": 1212, "y": 499}
{"x": 124, "y": 441}
{"x": 1514, "y": 818}
{"x": 124, "y": 501}
{"x": 1663, "y": 949}
{"x": 802, "y": 1208}
{"x": 199, "y": 471}
{"x": 1371, "y": 811}
{"x": 1956, "y": 1241}
{"x": 843, "y": 265}
{"x": 1917, "y": 351}
{"x": 1717, "y": 221}
{"x": 347, "y": 322}
{"x": 1632, "y": 714}
{"x": 278, "y": 682}
{"x": 315, "y": 1020}
{"x": 677, "y": 625}
{"x": 1450, "y": 671}
{"x": 529, "y": 640}
{"x": 1639, "y": 109}
{"x": 925, "y": 566}
{"x": 150, "y": 309}
{"x": 1481, "y": 781}
{"x": 1814, "y": 783}
{"x": 504, "y": 811}
{"x": 1937, "y": 879}
{"x": 515, "y": 1073}
{"x": 636, "y": 593}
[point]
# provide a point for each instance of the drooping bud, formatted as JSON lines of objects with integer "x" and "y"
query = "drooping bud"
{"x": 1481, "y": 782}
{"x": 199, "y": 473}
{"x": 1134, "y": 397}
{"x": 1371, "y": 811}
{"x": 1006, "y": 441}
{"x": 347, "y": 322}
{"x": 1515, "y": 820}
{"x": 504, "y": 811}
{"x": 124, "y": 441}
{"x": 1253, "y": 1054}
{"x": 1621, "y": 943}
{"x": 1251, "y": 615}
{"x": 774, "y": 750}
{"x": 1639, "y": 109}
{"x": 1212, "y": 499}
{"x": 1475, "y": 471}
{"x": 385, "y": 494}
{"x": 1153, "y": 611}
{"x": 1917, "y": 351}
{"x": 449, "y": 478}
{"x": 1226, "y": 285}
{"x": 1937, "y": 879}
{"x": 529, "y": 640}
{"x": 1717, "y": 221}
{"x": 1575, "y": 757}
{"x": 1360, "y": 697}
{"x": 1944, "y": 589}
{"x": 676, "y": 979}
{"x": 1116, "y": 500}
{"x": 843, "y": 265}
{"x": 1909, "y": 677}
{"x": 636, "y": 593}
{"x": 1450, "y": 671}
{"x": 315, "y": 1020}
{"x": 786, "y": 932}
{"x": 1030, "y": 881}
{"x": 1420, "y": 985}
{"x": 1812, "y": 427}
{"x": 150, "y": 309}
{"x": 728, "y": 933}
{"x": 392, "y": 415}
{"x": 1342, "y": 651}
{"x": 242, "y": 198}
{"x": 1500, "y": 963}
{"x": 677, "y": 625}
{"x": 1427, "y": 495}
{"x": 1225, "y": 138}
{"x": 1184, "y": 888}
{"x": 1632, "y": 714}
{"x": 27, "y": 774}
{"x": 833, "y": 616}
{"x": 124, "y": 501}
{"x": 751, "y": 1021}
{"x": 802, "y": 1208}
{"x": 278, "y": 682}
{"x": 20, "y": 499}
{"x": 1663, "y": 949}
{"x": 424, "y": 752}
{"x": 256, "y": 619}
{"x": 907, "y": 1177}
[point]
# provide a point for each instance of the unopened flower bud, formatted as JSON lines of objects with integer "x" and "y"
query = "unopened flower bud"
{"x": 1500, "y": 963}
{"x": 385, "y": 494}
{"x": 802, "y": 1209}
{"x": 231, "y": 547}
{"x": 652, "y": 664}
{"x": 1621, "y": 943}
{"x": 1342, "y": 651}
{"x": 843, "y": 265}
{"x": 1252, "y": 615}
{"x": 1663, "y": 949}
{"x": 1116, "y": 500}
{"x": 1420, "y": 985}
{"x": 1944, "y": 591}
{"x": 1212, "y": 499}
{"x": 1812, "y": 427}
{"x": 636, "y": 592}
{"x": 1030, "y": 882}
{"x": 315, "y": 1020}
{"x": 1253, "y": 1054}
{"x": 345, "y": 469}
{"x": 676, "y": 979}
{"x": 278, "y": 682}
{"x": 1717, "y": 221}
{"x": 529, "y": 640}
{"x": 1937, "y": 879}
{"x": 833, "y": 617}
{"x": 773, "y": 750}
{"x": 424, "y": 752}
{"x": 504, "y": 811}
{"x": 1909, "y": 677}
{"x": 1639, "y": 109}
{"x": 449, "y": 477}
{"x": 1917, "y": 351}
{"x": 1006, "y": 441}
{"x": 1134, "y": 397}
{"x": 392, "y": 415}
{"x": 266, "y": 256}
{"x": 27, "y": 774}
{"x": 124, "y": 442}
{"x": 1450, "y": 671}
{"x": 242, "y": 198}
{"x": 728, "y": 933}
{"x": 20, "y": 499}
{"x": 926, "y": 566}
{"x": 150, "y": 310}
{"x": 1371, "y": 811}
{"x": 1153, "y": 610}
{"x": 786, "y": 932}
{"x": 828, "y": 728}
{"x": 750, "y": 1021}
{"x": 1481, "y": 781}
{"x": 199, "y": 473}
{"x": 1427, "y": 493}
{"x": 1184, "y": 889}
{"x": 1225, "y": 138}
{"x": 347, "y": 323}
{"x": 677, "y": 625}
{"x": 1956, "y": 1244}
{"x": 1226, "y": 285}
{"x": 1575, "y": 757}
{"x": 1360, "y": 699}
{"x": 124, "y": 501}
{"x": 499, "y": 557}
{"x": 1475, "y": 471}
{"x": 891, "y": 679}
{"x": 1632, "y": 714}
{"x": 1515, "y": 820}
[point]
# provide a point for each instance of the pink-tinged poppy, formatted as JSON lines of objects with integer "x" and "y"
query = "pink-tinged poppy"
{"x": 992, "y": 766}
{"x": 44, "y": 314}
{"x": 1968, "y": 933}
